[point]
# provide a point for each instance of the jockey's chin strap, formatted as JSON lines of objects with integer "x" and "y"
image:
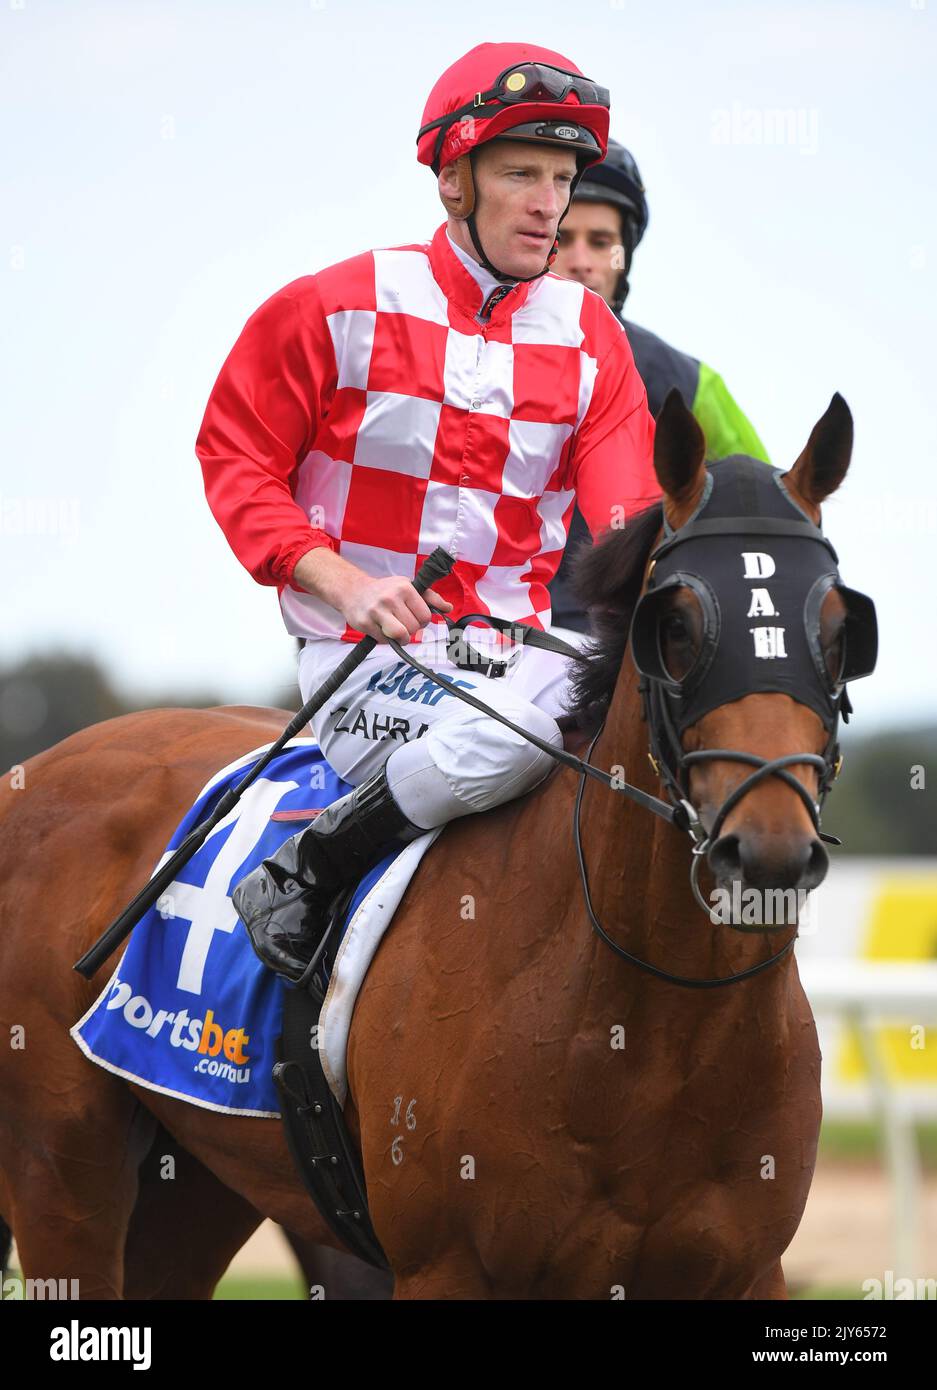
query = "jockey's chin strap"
{"x": 680, "y": 813}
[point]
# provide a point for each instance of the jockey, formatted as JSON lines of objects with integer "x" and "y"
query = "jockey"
{"x": 448, "y": 393}
{"x": 603, "y": 229}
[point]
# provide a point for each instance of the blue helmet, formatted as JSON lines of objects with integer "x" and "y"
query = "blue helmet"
{"x": 617, "y": 180}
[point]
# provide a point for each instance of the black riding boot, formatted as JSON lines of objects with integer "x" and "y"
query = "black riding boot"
{"x": 284, "y": 902}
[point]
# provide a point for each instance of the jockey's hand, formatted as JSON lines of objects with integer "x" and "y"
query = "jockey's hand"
{"x": 390, "y": 607}
{"x": 380, "y": 608}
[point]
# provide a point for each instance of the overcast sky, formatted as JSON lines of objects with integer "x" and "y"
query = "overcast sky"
{"x": 166, "y": 167}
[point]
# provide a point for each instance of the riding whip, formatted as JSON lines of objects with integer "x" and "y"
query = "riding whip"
{"x": 435, "y": 567}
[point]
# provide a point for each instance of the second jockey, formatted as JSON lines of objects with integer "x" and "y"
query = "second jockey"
{"x": 449, "y": 393}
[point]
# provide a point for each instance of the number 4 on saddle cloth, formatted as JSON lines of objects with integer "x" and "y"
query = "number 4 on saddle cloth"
{"x": 190, "y": 1010}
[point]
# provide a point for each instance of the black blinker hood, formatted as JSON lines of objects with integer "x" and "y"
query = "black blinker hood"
{"x": 760, "y": 569}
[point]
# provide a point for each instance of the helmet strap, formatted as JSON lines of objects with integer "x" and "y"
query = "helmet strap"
{"x": 622, "y": 286}
{"x": 621, "y": 293}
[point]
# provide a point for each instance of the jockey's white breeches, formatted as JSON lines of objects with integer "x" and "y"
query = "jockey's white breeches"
{"x": 444, "y": 758}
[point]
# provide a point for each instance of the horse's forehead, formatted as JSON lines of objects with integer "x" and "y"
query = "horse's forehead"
{"x": 740, "y": 484}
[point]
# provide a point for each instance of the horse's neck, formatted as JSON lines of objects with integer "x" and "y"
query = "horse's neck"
{"x": 639, "y": 875}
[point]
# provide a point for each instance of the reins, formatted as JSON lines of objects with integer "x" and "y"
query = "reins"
{"x": 680, "y": 814}
{"x": 546, "y": 642}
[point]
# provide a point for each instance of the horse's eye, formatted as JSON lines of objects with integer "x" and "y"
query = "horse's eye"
{"x": 834, "y": 657}
{"x": 673, "y": 628}
{"x": 676, "y": 645}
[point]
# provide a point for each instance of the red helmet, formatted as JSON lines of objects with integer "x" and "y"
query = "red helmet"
{"x": 498, "y": 88}
{"x": 501, "y": 85}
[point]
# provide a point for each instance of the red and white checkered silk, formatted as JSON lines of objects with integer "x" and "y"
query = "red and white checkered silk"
{"x": 367, "y": 403}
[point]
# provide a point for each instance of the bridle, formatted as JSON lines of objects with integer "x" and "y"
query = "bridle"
{"x": 685, "y": 818}
{"x": 662, "y": 697}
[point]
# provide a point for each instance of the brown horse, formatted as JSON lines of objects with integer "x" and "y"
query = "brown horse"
{"x": 536, "y": 1117}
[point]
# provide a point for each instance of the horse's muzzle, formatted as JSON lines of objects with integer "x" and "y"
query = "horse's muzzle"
{"x": 764, "y": 866}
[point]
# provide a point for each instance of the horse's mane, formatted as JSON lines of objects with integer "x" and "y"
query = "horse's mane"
{"x": 606, "y": 577}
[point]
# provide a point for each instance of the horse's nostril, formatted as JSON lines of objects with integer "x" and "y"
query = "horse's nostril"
{"x": 817, "y": 866}
{"x": 725, "y": 859}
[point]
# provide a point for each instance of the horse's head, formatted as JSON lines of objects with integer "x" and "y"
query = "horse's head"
{"x": 745, "y": 638}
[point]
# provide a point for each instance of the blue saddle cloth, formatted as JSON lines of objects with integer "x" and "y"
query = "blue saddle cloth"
{"x": 191, "y": 1011}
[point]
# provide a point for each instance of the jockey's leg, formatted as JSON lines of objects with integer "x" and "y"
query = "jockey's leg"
{"x": 468, "y": 762}
{"x": 418, "y": 757}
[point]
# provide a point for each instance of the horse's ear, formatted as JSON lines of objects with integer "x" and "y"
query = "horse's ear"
{"x": 822, "y": 465}
{"x": 679, "y": 449}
